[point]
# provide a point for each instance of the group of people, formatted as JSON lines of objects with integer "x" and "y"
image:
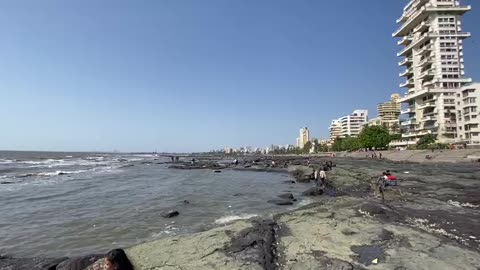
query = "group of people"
{"x": 320, "y": 176}
{"x": 114, "y": 260}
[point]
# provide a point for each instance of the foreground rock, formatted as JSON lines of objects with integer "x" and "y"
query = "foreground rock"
{"x": 281, "y": 202}
{"x": 313, "y": 191}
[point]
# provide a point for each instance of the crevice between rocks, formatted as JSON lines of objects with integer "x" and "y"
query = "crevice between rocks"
{"x": 256, "y": 244}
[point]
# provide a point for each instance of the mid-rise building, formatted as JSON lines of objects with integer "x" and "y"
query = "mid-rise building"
{"x": 351, "y": 125}
{"x": 304, "y": 137}
{"x": 374, "y": 122}
{"x": 389, "y": 113}
{"x": 432, "y": 35}
{"x": 335, "y": 130}
{"x": 348, "y": 125}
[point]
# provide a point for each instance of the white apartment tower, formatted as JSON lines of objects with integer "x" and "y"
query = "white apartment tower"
{"x": 432, "y": 36}
{"x": 304, "y": 137}
{"x": 352, "y": 124}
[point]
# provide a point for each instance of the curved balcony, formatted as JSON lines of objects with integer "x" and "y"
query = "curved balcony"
{"x": 405, "y": 61}
{"x": 406, "y": 72}
{"x": 408, "y": 83}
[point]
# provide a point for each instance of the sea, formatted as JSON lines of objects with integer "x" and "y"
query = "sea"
{"x": 70, "y": 204}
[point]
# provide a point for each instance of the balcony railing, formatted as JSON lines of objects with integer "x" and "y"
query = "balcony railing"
{"x": 426, "y": 60}
{"x": 406, "y": 72}
{"x": 405, "y": 61}
{"x": 408, "y": 83}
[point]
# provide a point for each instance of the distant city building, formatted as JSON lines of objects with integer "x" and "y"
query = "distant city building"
{"x": 431, "y": 31}
{"x": 304, "y": 137}
{"x": 389, "y": 114}
{"x": 229, "y": 150}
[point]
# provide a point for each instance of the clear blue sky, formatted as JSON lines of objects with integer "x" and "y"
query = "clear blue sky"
{"x": 190, "y": 75}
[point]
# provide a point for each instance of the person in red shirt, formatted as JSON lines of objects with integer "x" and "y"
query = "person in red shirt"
{"x": 390, "y": 179}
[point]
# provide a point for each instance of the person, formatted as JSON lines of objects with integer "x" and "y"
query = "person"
{"x": 315, "y": 176}
{"x": 380, "y": 155}
{"x": 235, "y": 161}
{"x": 117, "y": 260}
{"x": 390, "y": 180}
{"x": 323, "y": 175}
{"x": 273, "y": 163}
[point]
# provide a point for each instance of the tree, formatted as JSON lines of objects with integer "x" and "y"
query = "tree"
{"x": 426, "y": 141}
{"x": 374, "y": 137}
{"x": 337, "y": 145}
{"x": 395, "y": 137}
{"x": 306, "y": 147}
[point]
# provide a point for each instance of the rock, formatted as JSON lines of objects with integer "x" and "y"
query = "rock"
{"x": 170, "y": 214}
{"x": 7, "y": 262}
{"x": 290, "y": 182}
{"x": 6, "y": 182}
{"x": 281, "y": 202}
{"x": 217, "y": 171}
{"x": 186, "y": 202}
{"x": 313, "y": 191}
{"x": 79, "y": 262}
{"x": 288, "y": 196}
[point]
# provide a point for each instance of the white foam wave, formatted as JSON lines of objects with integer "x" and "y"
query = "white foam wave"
{"x": 6, "y": 161}
{"x": 60, "y": 172}
{"x": 228, "y": 219}
{"x": 304, "y": 202}
{"x": 458, "y": 204}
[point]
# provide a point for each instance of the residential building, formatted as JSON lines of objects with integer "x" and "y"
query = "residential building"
{"x": 304, "y": 137}
{"x": 351, "y": 125}
{"x": 335, "y": 130}
{"x": 432, "y": 36}
{"x": 468, "y": 115}
{"x": 377, "y": 121}
{"x": 389, "y": 114}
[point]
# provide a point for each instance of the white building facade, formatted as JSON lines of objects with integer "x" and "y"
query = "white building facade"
{"x": 432, "y": 36}
{"x": 304, "y": 137}
{"x": 351, "y": 125}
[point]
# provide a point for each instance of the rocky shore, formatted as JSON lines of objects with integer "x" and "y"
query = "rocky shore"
{"x": 430, "y": 221}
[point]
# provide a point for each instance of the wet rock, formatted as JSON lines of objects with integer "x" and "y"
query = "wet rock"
{"x": 288, "y": 196}
{"x": 290, "y": 182}
{"x": 367, "y": 254}
{"x": 170, "y": 214}
{"x": 313, "y": 191}
{"x": 6, "y": 182}
{"x": 186, "y": 202}
{"x": 281, "y": 202}
{"x": 217, "y": 171}
{"x": 237, "y": 194}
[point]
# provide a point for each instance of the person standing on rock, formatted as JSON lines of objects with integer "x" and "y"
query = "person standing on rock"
{"x": 323, "y": 176}
{"x": 315, "y": 176}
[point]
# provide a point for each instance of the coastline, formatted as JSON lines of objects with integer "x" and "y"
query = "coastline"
{"x": 430, "y": 222}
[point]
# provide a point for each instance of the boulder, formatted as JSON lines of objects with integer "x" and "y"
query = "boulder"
{"x": 313, "y": 191}
{"x": 170, "y": 214}
{"x": 281, "y": 202}
{"x": 288, "y": 196}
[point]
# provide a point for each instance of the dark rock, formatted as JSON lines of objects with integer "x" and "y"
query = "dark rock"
{"x": 217, "y": 171}
{"x": 186, "y": 202}
{"x": 61, "y": 173}
{"x": 366, "y": 254}
{"x": 313, "y": 191}
{"x": 6, "y": 182}
{"x": 290, "y": 182}
{"x": 9, "y": 263}
{"x": 170, "y": 214}
{"x": 255, "y": 245}
{"x": 281, "y": 202}
{"x": 288, "y": 196}
{"x": 79, "y": 263}
{"x": 237, "y": 194}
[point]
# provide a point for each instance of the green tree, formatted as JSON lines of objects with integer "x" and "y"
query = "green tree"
{"x": 306, "y": 147}
{"x": 426, "y": 141}
{"x": 337, "y": 145}
{"x": 374, "y": 137}
{"x": 395, "y": 137}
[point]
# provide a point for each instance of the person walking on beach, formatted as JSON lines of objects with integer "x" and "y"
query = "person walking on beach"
{"x": 315, "y": 176}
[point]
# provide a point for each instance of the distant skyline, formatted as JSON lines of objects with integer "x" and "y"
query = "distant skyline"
{"x": 188, "y": 75}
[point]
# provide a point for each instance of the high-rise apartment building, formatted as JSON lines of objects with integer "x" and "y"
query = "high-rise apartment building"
{"x": 335, "y": 130}
{"x": 304, "y": 137}
{"x": 468, "y": 114}
{"x": 432, "y": 36}
{"x": 348, "y": 125}
{"x": 389, "y": 113}
{"x": 352, "y": 124}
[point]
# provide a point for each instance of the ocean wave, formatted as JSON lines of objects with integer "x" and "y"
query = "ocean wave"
{"x": 6, "y": 161}
{"x": 228, "y": 219}
{"x": 60, "y": 172}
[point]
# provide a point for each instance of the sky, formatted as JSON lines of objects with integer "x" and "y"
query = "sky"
{"x": 189, "y": 75}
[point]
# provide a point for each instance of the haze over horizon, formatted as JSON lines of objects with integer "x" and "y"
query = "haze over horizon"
{"x": 183, "y": 76}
